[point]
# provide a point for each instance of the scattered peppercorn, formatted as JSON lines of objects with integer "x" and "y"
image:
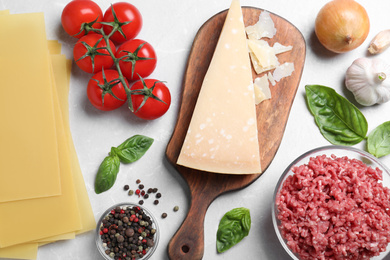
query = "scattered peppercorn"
{"x": 164, "y": 215}
{"x": 155, "y": 190}
{"x": 146, "y": 196}
{"x": 126, "y": 187}
{"x": 141, "y": 186}
{"x": 156, "y": 202}
{"x": 141, "y": 202}
{"x": 131, "y": 192}
{"x": 158, "y": 195}
{"x": 150, "y": 190}
{"x": 176, "y": 208}
{"x": 138, "y": 181}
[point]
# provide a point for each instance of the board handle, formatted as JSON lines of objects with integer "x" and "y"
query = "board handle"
{"x": 188, "y": 242}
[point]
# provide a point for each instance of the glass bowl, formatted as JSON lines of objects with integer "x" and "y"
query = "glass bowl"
{"x": 338, "y": 151}
{"x": 102, "y": 247}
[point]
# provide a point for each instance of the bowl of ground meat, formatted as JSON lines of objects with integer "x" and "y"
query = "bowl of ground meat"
{"x": 127, "y": 231}
{"x": 333, "y": 202}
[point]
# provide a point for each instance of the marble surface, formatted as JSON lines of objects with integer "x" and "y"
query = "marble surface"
{"x": 170, "y": 26}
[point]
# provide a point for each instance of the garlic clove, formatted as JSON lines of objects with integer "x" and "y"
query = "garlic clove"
{"x": 380, "y": 42}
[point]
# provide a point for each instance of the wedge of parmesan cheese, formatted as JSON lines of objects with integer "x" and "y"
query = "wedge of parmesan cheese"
{"x": 222, "y": 136}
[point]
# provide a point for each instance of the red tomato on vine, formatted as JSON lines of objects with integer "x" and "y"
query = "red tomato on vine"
{"x": 127, "y": 17}
{"x": 91, "y": 54}
{"x": 105, "y": 91}
{"x": 78, "y": 13}
{"x": 137, "y": 59}
{"x": 151, "y": 98}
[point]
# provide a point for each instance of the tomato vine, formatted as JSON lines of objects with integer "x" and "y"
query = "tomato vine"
{"x": 134, "y": 57}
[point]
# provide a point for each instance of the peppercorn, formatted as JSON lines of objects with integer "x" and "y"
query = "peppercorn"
{"x": 158, "y": 195}
{"x": 138, "y": 181}
{"x": 176, "y": 208}
{"x": 126, "y": 187}
{"x": 141, "y": 186}
{"x": 156, "y": 202}
{"x": 164, "y": 215}
{"x": 131, "y": 192}
{"x": 141, "y": 202}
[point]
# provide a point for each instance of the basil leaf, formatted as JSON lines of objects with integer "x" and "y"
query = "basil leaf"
{"x": 106, "y": 176}
{"x": 233, "y": 227}
{"x": 339, "y": 121}
{"x": 133, "y": 148}
{"x": 378, "y": 141}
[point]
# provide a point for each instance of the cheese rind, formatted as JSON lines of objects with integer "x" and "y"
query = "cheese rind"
{"x": 222, "y": 135}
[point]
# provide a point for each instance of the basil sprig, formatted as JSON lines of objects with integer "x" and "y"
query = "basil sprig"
{"x": 339, "y": 121}
{"x": 342, "y": 123}
{"x": 233, "y": 227}
{"x": 129, "y": 151}
{"x": 378, "y": 141}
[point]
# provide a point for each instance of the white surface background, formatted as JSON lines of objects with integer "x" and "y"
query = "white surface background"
{"x": 170, "y": 26}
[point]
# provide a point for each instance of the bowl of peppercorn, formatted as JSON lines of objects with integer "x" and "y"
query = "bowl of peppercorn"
{"x": 127, "y": 231}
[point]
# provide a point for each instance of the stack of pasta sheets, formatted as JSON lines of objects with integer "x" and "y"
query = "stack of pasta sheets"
{"x": 43, "y": 197}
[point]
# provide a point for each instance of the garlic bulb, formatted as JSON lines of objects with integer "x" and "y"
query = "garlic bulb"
{"x": 366, "y": 79}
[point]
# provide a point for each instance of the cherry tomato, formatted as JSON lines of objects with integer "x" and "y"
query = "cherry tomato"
{"x": 79, "y": 12}
{"x": 141, "y": 59}
{"x": 125, "y": 12}
{"x": 101, "y": 88}
{"x": 85, "y": 46}
{"x": 157, "y": 95}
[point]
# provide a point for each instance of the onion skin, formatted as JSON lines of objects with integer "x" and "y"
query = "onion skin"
{"x": 342, "y": 25}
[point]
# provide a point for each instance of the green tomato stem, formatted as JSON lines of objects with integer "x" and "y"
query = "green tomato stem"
{"x": 116, "y": 62}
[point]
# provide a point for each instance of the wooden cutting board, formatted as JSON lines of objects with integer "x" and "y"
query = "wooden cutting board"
{"x": 272, "y": 116}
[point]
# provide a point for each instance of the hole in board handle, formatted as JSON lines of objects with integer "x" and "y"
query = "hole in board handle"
{"x": 185, "y": 249}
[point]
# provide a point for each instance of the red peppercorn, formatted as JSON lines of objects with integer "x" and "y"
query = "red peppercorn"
{"x": 113, "y": 212}
{"x": 144, "y": 241}
{"x": 137, "y": 192}
{"x": 138, "y": 208}
{"x": 144, "y": 252}
{"x": 101, "y": 232}
{"x": 122, "y": 211}
{"x": 136, "y": 219}
{"x": 143, "y": 193}
{"x": 105, "y": 230}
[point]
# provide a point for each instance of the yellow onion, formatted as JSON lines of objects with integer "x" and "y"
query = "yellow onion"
{"x": 342, "y": 25}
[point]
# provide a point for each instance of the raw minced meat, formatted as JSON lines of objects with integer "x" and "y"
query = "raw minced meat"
{"x": 334, "y": 208}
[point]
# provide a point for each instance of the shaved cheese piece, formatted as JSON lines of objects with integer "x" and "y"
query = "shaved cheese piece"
{"x": 263, "y": 28}
{"x": 279, "y": 48}
{"x": 262, "y": 55}
{"x": 271, "y": 79}
{"x": 262, "y": 91}
{"x": 284, "y": 70}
